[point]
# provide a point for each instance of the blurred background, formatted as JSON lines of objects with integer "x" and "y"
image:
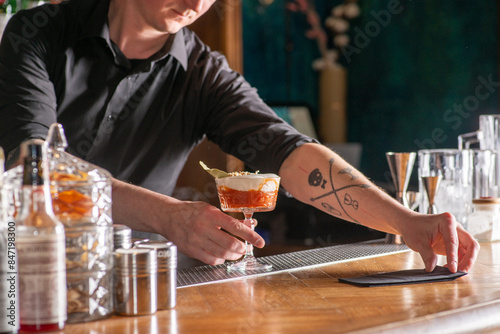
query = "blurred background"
{"x": 404, "y": 84}
{"x": 375, "y": 76}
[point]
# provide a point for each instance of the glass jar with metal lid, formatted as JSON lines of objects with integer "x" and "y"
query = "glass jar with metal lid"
{"x": 484, "y": 221}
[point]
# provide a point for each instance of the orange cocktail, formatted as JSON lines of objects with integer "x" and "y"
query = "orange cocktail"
{"x": 255, "y": 192}
{"x": 248, "y": 193}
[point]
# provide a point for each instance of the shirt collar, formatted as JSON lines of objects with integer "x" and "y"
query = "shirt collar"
{"x": 174, "y": 47}
{"x": 97, "y": 26}
{"x": 178, "y": 48}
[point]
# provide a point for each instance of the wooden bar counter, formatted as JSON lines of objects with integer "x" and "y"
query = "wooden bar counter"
{"x": 311, "y": 300}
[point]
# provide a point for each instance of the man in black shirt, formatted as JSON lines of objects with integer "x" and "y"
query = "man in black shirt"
{"x": 135, "y": 91}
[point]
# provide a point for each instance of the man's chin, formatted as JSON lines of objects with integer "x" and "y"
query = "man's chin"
{"x": 174, "y": 28}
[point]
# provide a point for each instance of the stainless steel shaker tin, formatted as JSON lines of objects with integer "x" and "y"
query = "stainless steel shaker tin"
{"x": 135, "y": 276}
{"x": 167, "y": 271}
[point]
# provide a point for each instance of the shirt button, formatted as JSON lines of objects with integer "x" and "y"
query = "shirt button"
{"x": 110, "y": 118}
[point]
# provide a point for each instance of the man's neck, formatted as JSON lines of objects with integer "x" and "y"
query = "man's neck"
{"x": 134, "y": 38}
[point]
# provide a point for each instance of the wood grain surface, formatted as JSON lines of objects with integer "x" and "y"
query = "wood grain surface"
{"x": 311, "y": 300}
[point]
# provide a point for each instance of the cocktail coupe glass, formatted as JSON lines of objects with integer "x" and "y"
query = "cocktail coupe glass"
{"x": 248, "y": 193}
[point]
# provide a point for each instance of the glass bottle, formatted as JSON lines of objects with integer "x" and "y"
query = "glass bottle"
{"x": 81, "y": 195}
{"x": 40, "y": 243}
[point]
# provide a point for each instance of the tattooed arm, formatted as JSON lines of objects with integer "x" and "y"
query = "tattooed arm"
{"x": 317, "y": 176}
{"x": 327, "y": 182}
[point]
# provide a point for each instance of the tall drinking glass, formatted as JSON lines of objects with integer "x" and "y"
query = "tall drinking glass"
{"x": 488, "y": 137}
{"x": 484, "y": 176}
{"x": 248, "y": 193}
{"x": 455, "y": 191}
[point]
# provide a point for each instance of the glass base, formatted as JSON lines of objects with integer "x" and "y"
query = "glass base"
{"x": 249, "y": 263}
{"x": 42, "y": 327}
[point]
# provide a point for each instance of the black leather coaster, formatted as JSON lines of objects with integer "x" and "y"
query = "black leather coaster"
{"x": 412, "y": 276}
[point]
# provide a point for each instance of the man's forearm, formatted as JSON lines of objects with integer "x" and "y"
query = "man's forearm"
{"x": 317, "y": 176}
{"x": 139, "y": 208}
{"x": 197, "y": 228}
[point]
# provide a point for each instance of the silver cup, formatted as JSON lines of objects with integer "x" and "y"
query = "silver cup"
{"x": 401, "y": 166}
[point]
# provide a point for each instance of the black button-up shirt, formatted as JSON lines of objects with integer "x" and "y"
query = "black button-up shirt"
{"x": 139, "y": 119}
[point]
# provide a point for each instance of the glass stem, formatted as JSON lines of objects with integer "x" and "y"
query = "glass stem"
{"x": 249, "y": 221}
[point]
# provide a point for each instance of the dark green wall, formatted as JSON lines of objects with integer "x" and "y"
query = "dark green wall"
{"x": 417, "y": 81}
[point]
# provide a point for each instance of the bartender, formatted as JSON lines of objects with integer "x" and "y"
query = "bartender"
{"x": 136, "y": 90}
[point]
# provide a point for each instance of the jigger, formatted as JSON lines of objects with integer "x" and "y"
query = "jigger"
{"x": 431, "y": 185}
{"x": 401, "y": 166}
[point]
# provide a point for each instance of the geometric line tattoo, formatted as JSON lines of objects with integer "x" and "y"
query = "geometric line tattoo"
{"x": 316, "y": 179}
